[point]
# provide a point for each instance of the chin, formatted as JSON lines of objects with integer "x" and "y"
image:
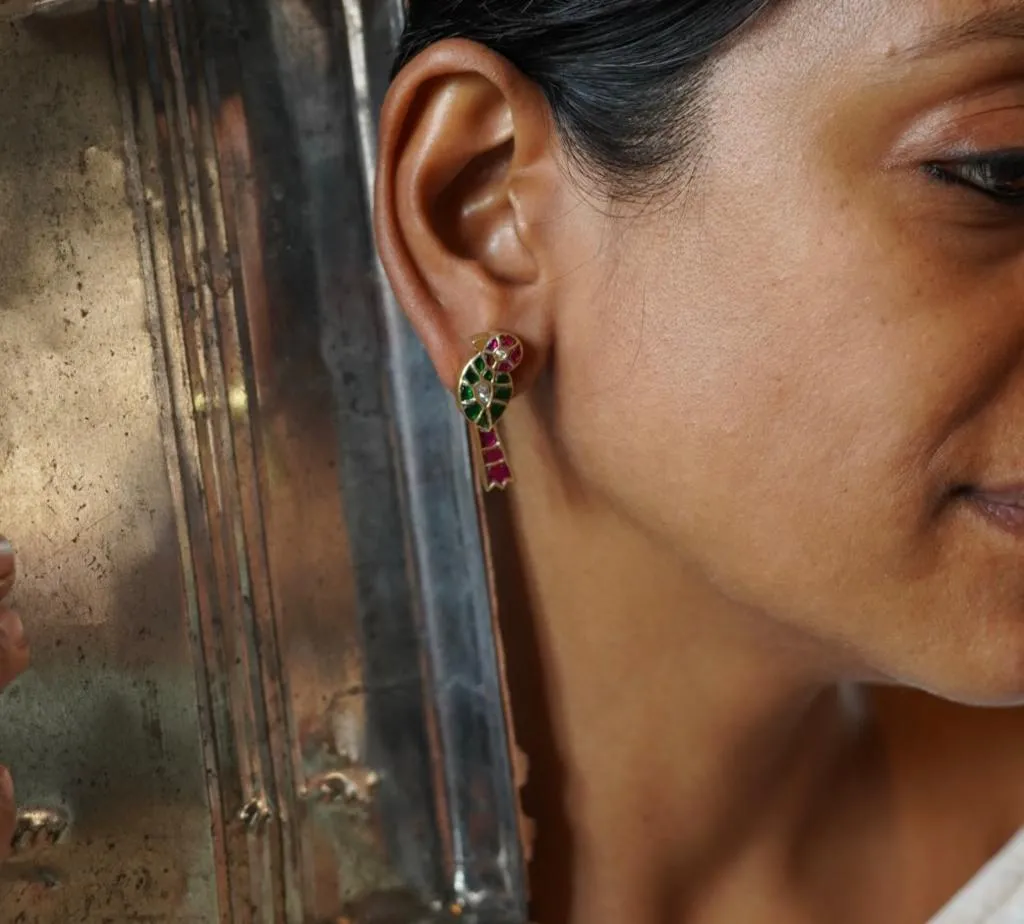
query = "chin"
{"x": 981, "y": 697}
{"x": 992, "y": 678}
{"x": 973, "y": 658}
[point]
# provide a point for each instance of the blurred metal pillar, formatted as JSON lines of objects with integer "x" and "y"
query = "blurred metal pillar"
{"x": 283, "y": 562}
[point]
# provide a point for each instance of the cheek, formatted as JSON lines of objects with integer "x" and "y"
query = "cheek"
{"x": 782, "y": 428}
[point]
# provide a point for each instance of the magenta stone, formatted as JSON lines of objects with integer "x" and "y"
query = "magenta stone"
{"x": 491, "y": 456}
{"x": 499, "y": 476}
{"x": 493, "y": 344}
{"x": 488, "y": 438}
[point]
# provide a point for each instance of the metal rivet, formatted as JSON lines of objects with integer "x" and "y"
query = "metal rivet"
{"x": 353, "y": 784}
{"x": 255, "y": 813}
{"x": 38, "y": 828}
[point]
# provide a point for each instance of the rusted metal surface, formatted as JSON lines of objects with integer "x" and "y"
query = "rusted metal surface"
{"x": 245, "y": 511}
{"x": 20, "y": 9}
{"x": 104, "y": 729}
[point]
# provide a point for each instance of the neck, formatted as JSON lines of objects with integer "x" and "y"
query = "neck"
{"x": 669, "y": 732}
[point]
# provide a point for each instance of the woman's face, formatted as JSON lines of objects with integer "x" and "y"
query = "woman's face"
{"x": 805, "y": 372}
{"x": 802, "y": 370}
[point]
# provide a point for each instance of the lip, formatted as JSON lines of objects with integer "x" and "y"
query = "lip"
{"x": 1003, "y": 508}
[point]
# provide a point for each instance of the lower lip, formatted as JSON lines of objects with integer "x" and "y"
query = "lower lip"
{"x": 1007, "y": 516}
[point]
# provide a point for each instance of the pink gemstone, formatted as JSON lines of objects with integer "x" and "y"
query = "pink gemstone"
{"x": 508, "y": 341}
{"x": 493, "y": 345}
{"x": 491, "y": 456}
{"x": 505, "y": 366}
{"x": 516, "y": 356}
{"x": 488, "y": 438}
{"x": 499, "y": 476}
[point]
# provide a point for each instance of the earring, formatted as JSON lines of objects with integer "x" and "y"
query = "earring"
{"x": 484, "y": 392}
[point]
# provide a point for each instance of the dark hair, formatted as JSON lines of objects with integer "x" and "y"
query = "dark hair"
{"x": 624, "y": 78}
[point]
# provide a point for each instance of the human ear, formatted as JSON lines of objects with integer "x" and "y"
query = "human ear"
{"x": 465, "y": 171}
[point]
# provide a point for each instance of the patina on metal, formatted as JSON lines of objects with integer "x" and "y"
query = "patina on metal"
{"x": 266, "y": 684}
{"x": 19, "y": 9}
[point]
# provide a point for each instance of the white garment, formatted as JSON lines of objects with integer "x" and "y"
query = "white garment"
{"x": 995, "y": 895}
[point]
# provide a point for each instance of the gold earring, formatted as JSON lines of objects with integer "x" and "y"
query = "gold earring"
{"x": 484, "y": 392}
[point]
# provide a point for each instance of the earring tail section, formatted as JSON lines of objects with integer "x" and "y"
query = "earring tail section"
{"x": 497, "y": 471}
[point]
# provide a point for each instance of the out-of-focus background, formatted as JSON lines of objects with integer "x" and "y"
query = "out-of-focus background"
{"x": 264, "y": 685}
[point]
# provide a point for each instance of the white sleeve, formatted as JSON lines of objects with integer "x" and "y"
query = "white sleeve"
{"x": 995, "y": 895}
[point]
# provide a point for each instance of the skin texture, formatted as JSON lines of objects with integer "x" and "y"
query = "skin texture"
{"x": 762, "y": 411}
{"x": 14, "y": 659}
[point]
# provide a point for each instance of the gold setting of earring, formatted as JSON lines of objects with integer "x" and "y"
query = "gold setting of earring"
{"x": 484, "y": 391}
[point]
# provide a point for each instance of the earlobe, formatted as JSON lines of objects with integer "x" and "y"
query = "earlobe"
{"x": 455, "y": 133}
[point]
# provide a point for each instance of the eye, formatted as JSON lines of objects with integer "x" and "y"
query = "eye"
{"x": 998, "y": 175}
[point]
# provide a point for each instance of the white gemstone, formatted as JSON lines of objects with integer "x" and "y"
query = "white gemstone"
{"x": 483, "y": 392}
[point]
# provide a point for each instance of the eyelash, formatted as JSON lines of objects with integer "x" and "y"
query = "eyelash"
{"x": 999, "y": 176}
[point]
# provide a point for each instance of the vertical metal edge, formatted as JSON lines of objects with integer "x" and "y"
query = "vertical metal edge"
{"x": 255, "y": 114}
{"x": 214, "y": 560}
{"x": 229, "y": 319}
{"x": 313, "y": 120}
{"x": 213, "y": 519}
{"x": 487, "y": 878}
{"x": 170, "y": 383}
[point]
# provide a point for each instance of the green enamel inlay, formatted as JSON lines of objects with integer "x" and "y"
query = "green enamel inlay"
{"x": 470, "y": 376}
{"x": 488, "y": 375}
{"x": 479, "y": 364}
{"x": 496, "y": 411}
{"x": 503, "y": 379}
{"x": 473, "y": 412}
{"x": 503, "y": 393}
{"x": 466, "y": 393}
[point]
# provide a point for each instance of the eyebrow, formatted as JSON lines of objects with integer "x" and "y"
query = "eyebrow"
{"x": 991, "y": 25}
